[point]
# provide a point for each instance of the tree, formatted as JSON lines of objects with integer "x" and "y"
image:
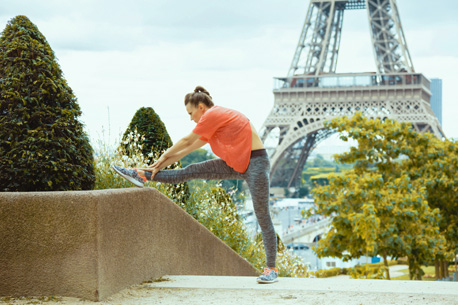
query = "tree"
{"x": 381, "y": 207}
{"x": 434, "y": 163}
{"x": 42, "y": 144}
{"x": 377, "y": 217}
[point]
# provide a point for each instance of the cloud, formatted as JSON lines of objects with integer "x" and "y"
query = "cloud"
{"x": 435, "y": 41}
{"x": 124, "y": 25}
{"x": 121, "y": 55}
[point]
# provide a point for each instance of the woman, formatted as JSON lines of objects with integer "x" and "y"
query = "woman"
{"x": 232, "y": 138}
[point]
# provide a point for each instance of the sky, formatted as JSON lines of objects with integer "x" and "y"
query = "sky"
{"x": 119, "y": 56}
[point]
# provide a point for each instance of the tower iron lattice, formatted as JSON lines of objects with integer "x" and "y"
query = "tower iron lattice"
{"x": 312, "y": 92}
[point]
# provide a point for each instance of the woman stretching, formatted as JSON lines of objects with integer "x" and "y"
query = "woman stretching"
{"x": 232, "y": 138}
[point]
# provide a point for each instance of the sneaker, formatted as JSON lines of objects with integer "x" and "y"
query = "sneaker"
{"x": 131, "y": 175}
{"x": 268, "y": 276}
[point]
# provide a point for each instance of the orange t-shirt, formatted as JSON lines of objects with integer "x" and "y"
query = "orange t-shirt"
{"x": 229, "y": 134}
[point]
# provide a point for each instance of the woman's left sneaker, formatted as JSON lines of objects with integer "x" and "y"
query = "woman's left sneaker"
{"x": 130, "y": 174}
{"x": 268, "y": 276}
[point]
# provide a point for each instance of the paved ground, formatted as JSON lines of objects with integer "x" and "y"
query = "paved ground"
{"x": 243, "y": 290}
{"x": 221, "y": 290}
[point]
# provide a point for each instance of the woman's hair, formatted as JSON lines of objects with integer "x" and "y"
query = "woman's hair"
{"x": 200, "y": 95}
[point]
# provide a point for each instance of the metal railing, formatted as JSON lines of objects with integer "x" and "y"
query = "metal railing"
{"x": 351, "y": 80}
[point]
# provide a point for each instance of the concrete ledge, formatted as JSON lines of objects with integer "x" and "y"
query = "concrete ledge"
{"x": 91, "y": 244}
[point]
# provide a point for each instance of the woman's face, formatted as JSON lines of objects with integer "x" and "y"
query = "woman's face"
{"x": 195, "y": 112}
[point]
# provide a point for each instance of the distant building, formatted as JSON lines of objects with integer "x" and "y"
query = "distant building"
{"x": 436, "y": 98}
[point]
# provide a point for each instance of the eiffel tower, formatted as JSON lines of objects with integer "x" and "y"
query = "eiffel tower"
{"x": 313, "y": 92}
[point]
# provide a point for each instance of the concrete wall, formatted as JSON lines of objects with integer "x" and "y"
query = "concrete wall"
{"x": 91, "y": 244}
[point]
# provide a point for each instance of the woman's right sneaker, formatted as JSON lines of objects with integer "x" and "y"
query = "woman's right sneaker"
{"x": 268, "y": 276}
{"x": 130, "y": 174}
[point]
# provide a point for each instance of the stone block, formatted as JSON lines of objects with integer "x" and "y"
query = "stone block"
{"x": 91, "y": 244}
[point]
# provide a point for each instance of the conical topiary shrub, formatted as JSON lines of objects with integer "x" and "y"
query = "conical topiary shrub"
{"x": 150, "y": 127}
{"x": 42, "y": 144}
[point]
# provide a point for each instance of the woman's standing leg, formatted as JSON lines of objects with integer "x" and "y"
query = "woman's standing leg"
{"x": 257, "y": 177}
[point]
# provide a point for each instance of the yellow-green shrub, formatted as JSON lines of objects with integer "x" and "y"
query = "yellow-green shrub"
{"x": 367, "y": 271}
{"x": 328, "y": 272}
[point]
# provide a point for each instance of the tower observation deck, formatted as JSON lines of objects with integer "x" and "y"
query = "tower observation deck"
{"x": 313, "y": 92}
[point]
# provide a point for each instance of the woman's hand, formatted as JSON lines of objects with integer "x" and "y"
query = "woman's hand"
{"x": 159, "y": 164}
{"x": 156, "y": 166}
{"x": 175, "y": 153}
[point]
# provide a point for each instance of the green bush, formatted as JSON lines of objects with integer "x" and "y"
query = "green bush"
{"x": 42, "y": 144}
{"x": 153, "y": 134}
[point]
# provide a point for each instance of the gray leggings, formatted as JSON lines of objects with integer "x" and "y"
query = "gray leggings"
{"x": 257, "y": 177}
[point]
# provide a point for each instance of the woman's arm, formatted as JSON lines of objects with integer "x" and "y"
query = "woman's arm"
{"x": 168, "y": 160}
{"x": 180, "y": 149}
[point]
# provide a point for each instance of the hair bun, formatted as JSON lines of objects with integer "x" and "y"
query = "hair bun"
{"x": 200, "y": 95}
{"x": 201, "y": 89}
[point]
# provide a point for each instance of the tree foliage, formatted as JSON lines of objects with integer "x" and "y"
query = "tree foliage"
{"x": 42, "y": 144}
{"x": 391, "y": 203}
{"x": 154, "y": 136}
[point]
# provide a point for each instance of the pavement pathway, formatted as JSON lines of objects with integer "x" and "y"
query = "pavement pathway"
{"x": 223, "y": 290}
